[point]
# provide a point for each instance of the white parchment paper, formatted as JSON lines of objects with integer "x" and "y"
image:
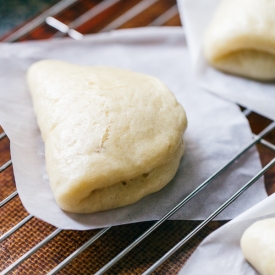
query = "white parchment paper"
{"x": 220, "y": 252}
{"x": 260, "y": 97}
{"x": 217, "y": 129}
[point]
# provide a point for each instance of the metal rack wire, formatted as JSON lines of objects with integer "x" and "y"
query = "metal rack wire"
{"x": 71, "y": 30}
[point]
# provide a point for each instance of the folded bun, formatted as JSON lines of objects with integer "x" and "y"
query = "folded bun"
{"x": 258, "y": 246}
{"x": 111, "y": 136}
{"x": 241, "y": 39}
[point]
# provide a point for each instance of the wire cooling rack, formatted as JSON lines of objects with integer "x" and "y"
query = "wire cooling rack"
{"x": 31, "y": 246}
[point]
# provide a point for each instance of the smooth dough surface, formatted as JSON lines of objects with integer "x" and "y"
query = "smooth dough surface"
{"x": 111, "y": 135}
{"x": 258, "y": 246}
{"x": 241, "y": 38}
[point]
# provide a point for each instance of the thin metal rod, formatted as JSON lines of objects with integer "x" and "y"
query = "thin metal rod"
{"x": 58, "y": 25}
{"x": 5, "y": 166}
{"x": 210, "y": 218}
{"x": 93, "y": 12}
{"x": 267, "y": 144}
{"x": 31, "y": 252}
{"x": 7, "y": 199}
{"x": 60, "y": 6}
{"x": 183, "y": 202}
{"x": 134, "y": 11}
{"x": 78, "y": 251}
{"x": 266, "y": 130}
{"x": 70, "y": 28}
{"x": 170, "y": 13}
{"x": 2, "y": 135}
{"x": 16, "y": 227}
{"x": 75, "y": 34}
